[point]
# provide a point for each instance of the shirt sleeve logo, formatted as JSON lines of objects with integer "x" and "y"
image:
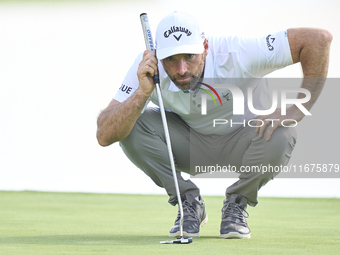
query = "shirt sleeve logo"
{"x": 270, "y": 40}
{"x": 125, "y": 89}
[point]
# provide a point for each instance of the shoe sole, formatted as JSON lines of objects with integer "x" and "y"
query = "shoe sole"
{"x": 234, "y": 235}
{"x": 186, "y": 234}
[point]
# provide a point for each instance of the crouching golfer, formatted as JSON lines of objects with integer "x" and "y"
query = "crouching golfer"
{"x": 185, "y": 60}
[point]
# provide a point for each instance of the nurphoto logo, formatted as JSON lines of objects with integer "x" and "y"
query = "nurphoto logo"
{"x": 239, "y": 99}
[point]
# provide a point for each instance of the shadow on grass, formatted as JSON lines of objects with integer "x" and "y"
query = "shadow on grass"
{"x": 79, "y": 239}
{"x": 90, "y": 239}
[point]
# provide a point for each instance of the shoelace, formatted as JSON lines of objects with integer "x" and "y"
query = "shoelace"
{"x": 228, "y": 210}
{"x": 188, "y": 210}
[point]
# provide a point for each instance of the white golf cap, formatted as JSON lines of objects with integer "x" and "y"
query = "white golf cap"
{"x": 178, "y": 33}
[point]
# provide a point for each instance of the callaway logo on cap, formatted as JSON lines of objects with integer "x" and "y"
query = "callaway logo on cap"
{"x": 177, "y": 29}
{"x": 178, "y": 33}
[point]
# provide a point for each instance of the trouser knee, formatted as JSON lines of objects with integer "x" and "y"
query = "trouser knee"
{"x": 275, "y": 152}
{"x": 137, "y": 141}
{"x": 279, "y": 148}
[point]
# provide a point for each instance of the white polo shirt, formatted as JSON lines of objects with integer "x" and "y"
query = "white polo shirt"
{"x": 231, "y": 60}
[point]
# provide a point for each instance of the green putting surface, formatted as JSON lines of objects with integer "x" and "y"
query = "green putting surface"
{"x": 80, "y": 223}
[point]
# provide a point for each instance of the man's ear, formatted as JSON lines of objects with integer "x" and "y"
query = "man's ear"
{"x": 206, "y": 46}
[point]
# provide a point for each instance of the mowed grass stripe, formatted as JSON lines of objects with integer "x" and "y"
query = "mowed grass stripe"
{"x": 86, "y": 223}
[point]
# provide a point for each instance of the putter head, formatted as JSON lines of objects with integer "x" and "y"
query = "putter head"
{"x": 186, "y": 240}
{"x": 179, "y": 241}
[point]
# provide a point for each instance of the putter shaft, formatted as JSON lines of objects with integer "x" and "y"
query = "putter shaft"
{"x": 150, "y": 46}
{"x": 172, "y": 162}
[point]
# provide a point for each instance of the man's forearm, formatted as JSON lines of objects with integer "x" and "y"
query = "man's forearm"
{"x": 312, "y": 52}
{"x": 310, "y": 47}
{"x": 116, "y": 121}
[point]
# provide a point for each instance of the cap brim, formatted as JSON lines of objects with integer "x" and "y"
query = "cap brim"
{"x": 183, "y": 49}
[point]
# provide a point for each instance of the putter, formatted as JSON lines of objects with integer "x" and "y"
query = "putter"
{"x": 150, "y": 46}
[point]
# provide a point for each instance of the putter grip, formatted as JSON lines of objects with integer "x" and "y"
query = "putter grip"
{"x": 148, "y": 39}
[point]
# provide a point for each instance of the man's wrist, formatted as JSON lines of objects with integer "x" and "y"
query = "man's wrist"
{"x": 142, "y": 94}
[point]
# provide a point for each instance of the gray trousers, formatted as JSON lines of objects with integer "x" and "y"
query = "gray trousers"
{"x": 145, "y": 146}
